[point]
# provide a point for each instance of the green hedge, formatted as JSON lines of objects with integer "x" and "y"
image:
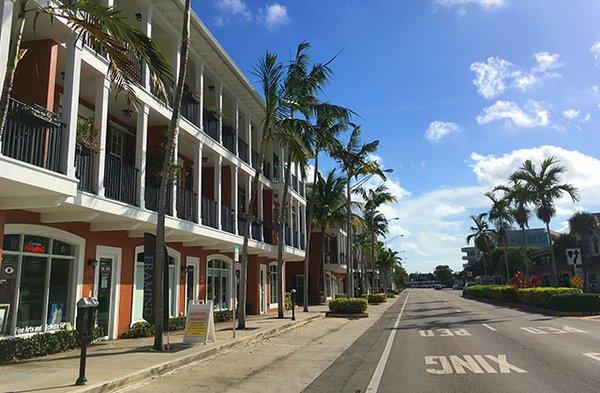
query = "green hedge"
{"x": 42, "y": 344}
{"x": 341, "y": 296}
{"x": 575, "y": 302}
{"x": 503, "y": 293}
{"x": 144, "y": 329}
{"x": 539, "y": 297}
{"x": 375, "y": 298}
{"x": 348, "y": 306}
{"x": 288, "y": 301}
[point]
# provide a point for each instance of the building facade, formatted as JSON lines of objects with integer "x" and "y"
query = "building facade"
{"x": 74, "y": 207}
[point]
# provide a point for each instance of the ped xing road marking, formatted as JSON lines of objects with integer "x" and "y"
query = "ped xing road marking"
{"x": 444, "y": 333}
{"x": 593, "y": 355}
{"x": 553, "y": 330}
{"x": 476, "y": 364}
{"x": 489, "y": 327}
{"x": 378, "y": 374}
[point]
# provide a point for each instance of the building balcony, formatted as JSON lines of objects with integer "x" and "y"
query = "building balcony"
{"x": 33, "y": 135}
{"x": 268, "y": 235}
{"x": 243, "y": 151}
{"x": 85, "y": 168}
{"x": 296, "y": 238}
{"x": 190, "y": 106}
{"x": 210, "y": 124}
{"x": 227, "y": 219}
{"x": 257, "y": 229}
{"x": 288, "y": 237}
{"x": 186, "y": 204}
{"x": 120, "y": 181}
{"x": 151, "y": 196}
{"x": 209, "y": 212}
{"x": 229, "y": 136}
{"x": 241, "y": 224}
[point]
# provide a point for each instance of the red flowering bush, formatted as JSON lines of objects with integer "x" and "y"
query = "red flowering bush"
{"x": 519, "y": 280}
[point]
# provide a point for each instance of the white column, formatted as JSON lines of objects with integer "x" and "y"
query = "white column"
{"x": 282, "y": 162}
{"x": 237, "y": 127}
{"x": 291, "y": 225}
{"x": 249, "y": 140}
{"x": 198, "y": 181}
{"x": 71, "y": 96}
{"x": 220, "y": 103}
{"x": 146, "y": 27}
{"x": 298, "y": 220}
{"x": 174, "y": 185}
{"x": 141, "y": 144}
{"x": 260, "y": 207}
{"x": 200, "y": 89}
{"x": 101, "y": 124}
{"x": 217, "y": 185}
{"x": 6, "y": 15}
{"x": 234, "y": 197}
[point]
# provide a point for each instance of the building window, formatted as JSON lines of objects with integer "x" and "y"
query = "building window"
{"x": 138, "y": 292}
{"x": 217, "y": 283}
{"x": 44, "y": 281}
{"x": 114, "y": 143}
{"x": 273, "y": 283}
{"x": 596, "y": 245}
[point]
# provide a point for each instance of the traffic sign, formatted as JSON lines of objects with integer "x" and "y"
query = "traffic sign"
{"x": 574, "y": 256}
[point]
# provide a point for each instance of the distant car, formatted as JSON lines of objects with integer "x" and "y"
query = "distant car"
{"x": 438, "y": 287}
{"x": 457, "y": 286}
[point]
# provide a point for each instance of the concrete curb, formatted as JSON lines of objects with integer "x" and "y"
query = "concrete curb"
{"x": 163, "y": 368}
{"x": 330, "y": 314}
{"x": 533, "y": 309}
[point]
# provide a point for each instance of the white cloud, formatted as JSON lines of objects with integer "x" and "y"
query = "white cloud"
{"x": 535, "y": 114}
{"x": 276, "y": 15}
{"x": 586, "y": 118}
{"x": 571, "y": 114}
{"x": 461, "y": 5}
{"x": 232, "y": 9}
{"x": 595, "y": 49}
{"x": 439, "y": 129}
{"x": 496, "y": 75}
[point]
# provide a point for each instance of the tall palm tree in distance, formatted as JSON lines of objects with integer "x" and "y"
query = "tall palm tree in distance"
{"x": 502, "y": 216}
{"x": 482, "y": 237}
{"x": 544, "y": 188}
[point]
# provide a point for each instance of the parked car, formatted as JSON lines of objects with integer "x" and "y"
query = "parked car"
{"x": 438, "y": 287}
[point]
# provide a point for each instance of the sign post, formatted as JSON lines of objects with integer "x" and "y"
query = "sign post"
{"x": 236, "y": 259}
{"x": 574, "y": 258}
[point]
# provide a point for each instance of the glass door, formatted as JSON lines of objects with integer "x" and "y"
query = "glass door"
{"x": 263, "y": 288}
{"x": 105, "y": 279}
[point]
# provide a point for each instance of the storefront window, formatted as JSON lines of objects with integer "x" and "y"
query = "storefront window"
{"x": 217, "y": 283}
{"x": 273, "y": 283}
{"x": 43, "y": 285}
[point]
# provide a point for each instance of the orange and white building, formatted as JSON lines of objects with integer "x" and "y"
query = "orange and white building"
{"x": 72, "y": 219}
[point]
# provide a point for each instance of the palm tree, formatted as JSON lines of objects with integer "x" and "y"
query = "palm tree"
{"x": 166, "y": 181}
{"x": 376, "y": 223}
{"x": 544, "y": 188}
{"x": 327, "y": 197}
{"x": 501, "y": 215}
{"x": 388, "y": 261}
{"x": 269, "y": 71}
{"x": 482, "y": 237}
{"x": 330, "y": 121}
{"x": 583, "y": 225}
{"x": 518, "y": 195}
{"x": 355, "y": 160}
{"x": 106, "y": 30}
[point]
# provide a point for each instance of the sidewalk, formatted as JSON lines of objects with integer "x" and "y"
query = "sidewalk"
{"x": 120, "y": 363}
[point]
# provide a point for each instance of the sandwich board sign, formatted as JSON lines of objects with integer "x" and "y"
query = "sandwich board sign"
{"x": 574, "y": 256}
{"x": 199, "y": 324}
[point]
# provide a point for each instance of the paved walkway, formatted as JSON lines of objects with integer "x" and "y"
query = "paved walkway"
{"x": 119, "y": 363}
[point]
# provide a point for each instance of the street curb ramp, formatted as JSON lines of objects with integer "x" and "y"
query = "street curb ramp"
{"x": 163, "y": 368}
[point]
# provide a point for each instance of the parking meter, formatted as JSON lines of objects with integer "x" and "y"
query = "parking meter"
{"x": 293, "y": 292}
{"x": 87, "y": 309}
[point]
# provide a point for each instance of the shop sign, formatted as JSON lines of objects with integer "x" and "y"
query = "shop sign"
{"x": 199, "y": 324}
{"x": 8, "y": 270}
{"x": 149, "y": 248}
{"x": 29, "y": 329}
{"x": 33, "y": 246}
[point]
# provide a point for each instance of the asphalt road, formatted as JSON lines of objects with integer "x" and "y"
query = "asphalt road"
{"x": 436, "y": 341}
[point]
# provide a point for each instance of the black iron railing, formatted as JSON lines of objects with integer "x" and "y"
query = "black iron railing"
{"x": 209, "y": 212}
{"x": 186, "y": 204}
{"x": 120, "y": 180}
{"x": 268, "y": 230}
{"x": 275, "y": 173}
{"x": 296, "y": 239}
{"x": 295, "y": 183}
{"x": 302, "y": 242}
{"x": 229, "y": 136}
{"x": 33, "y": 135}
{"x": 190, "y": 106}
{"x": 301, "y": 188}
{"x": 210, "y": 124}
{"x": 241, "y": 225}
{"x": 85, "y": 164}
{"x": 256, "y": 230}
{"x": 243, "y": 150}
{"x": 151, "y": 196}
{"x": 288, "y": 236}
{"x": 136, "y": 68}
{"x": 255, "y": 157}
{"x": 267, "y": 170}
{"x": 226, "y": 219}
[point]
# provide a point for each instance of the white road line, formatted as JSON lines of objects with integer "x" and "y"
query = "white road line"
{"x": 457, "y": 310}
{"x": 489, "y": 327}
{"x": 378, "y": 374}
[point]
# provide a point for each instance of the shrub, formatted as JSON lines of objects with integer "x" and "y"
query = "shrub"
{"x": 222, "y": 315}
{"x": 177, "y": 323}
{"x": 348, "y": 306}
{"x": 288, "y": 301}
{"x": 574, "y": 302}
{"x": 375, "y": 298}
{"x": 341, "y": 296}
{"x": 41, "y": 344}
{"x": 139, "y": 329}
{"x": 539, "y": 297}
{"x": 503, "y": 293}
{"x": 390, "y": 294}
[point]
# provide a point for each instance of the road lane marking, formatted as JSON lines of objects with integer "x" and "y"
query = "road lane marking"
{"x": 489, "y": 327}
{"x": 476, "y": 364}
{"x": 444, "y": 333}
{"x": 551, "y": 329}
{"x": 376, "y": 379}
{"x": 457, "y": 310}
{"x": 593, "y": 355}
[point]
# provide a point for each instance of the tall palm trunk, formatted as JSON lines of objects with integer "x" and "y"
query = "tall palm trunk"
{"x": 251, "y": 209}
{"x": 309, "y": 222}
{"x": 524, "y": 248}
{"x": 485, "y": 260}
{"x": 372, "y": 264}
{"x": 349, "y": 253}
{"x": 554, "y": 271}
{"x": 322, "y": 259}
{"x": 506, "y": 259}
{"x": 16, "y": 36}
{"x": 280, "y": 230}
{"x": 167, "y": 181}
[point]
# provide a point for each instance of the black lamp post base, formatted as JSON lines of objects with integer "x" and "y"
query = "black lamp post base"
{"x": 81, "y": 381}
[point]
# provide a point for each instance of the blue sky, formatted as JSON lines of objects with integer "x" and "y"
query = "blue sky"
{"x": 460, "y": 93}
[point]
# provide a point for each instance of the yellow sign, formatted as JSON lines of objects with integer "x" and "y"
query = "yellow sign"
{"x": 196, "y": 324}
{"x": 199, "y": 324}
{"x": 577, "y": 282}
